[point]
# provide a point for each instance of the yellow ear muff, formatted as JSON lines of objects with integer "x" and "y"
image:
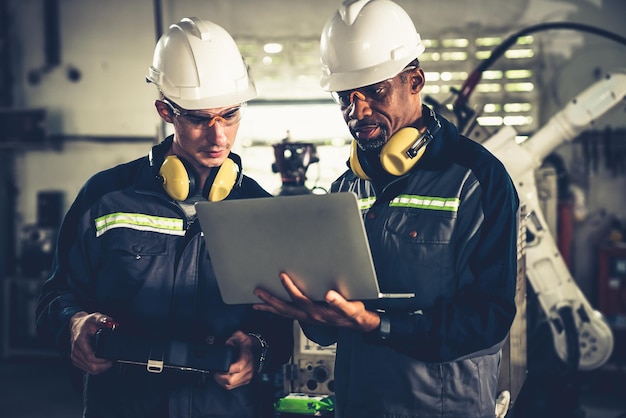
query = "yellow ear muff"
{"x": 176, "y": 180}
{"x": 224, "y": 181}
{"x": 402, "y": 151}
{"x": 355, "y": 164}
{"x": 398, "y": 155}
{"x": 179, "y": 181}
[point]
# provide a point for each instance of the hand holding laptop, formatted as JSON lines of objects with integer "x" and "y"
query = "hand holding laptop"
{"x": 335, "y": 310}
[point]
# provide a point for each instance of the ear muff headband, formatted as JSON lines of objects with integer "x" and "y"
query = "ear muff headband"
{"x": 179, "y": 180}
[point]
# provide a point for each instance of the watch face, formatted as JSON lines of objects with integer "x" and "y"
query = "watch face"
{"x": 385, "y": 327}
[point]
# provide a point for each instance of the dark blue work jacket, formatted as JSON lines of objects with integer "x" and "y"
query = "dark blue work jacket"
{"x": 127, "y": 250}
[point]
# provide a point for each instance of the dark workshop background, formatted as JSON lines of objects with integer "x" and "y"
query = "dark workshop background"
{"x": 73, "y": 101}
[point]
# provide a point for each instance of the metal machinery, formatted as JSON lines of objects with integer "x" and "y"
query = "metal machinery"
{"x": 312, "y": 368}
{"x": 577, "y": 329}
{"x": 292, "y": 161}
{"x": 581, "y": 336}
{"x": 570, "y": 315}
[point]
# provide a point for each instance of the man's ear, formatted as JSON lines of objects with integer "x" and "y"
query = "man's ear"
{"x": 164, "y": 111}
{"x": 417, "y": 80}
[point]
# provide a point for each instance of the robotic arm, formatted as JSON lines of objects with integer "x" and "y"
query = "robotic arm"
{"x": 579, "y": 331}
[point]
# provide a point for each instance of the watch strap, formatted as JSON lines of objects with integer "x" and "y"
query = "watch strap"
{"x": 384, "y": 328}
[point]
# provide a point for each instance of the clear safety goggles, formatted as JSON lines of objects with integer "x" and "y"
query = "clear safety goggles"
{"x": 204, "y": 121}
{"x": 377, "y": 92}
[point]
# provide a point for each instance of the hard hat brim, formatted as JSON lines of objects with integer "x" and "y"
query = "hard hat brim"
{"x": 350, "y": 80}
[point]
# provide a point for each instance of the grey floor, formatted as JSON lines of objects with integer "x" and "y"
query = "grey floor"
{"x": 42, "y": 388}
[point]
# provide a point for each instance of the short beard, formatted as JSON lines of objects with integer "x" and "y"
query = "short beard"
{"x": 374, "y": 144}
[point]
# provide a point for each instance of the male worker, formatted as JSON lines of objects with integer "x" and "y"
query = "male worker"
{"x": 130, "y": 250}
{"x": 441, "y": 217}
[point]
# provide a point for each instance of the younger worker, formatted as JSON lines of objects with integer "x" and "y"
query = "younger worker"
{"x": 130, "y": 249}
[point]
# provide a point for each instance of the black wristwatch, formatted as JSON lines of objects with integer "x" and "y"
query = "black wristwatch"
{"x": 384, "y": 328}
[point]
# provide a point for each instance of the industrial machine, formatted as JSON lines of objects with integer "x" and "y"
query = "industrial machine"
{"x": 292, "y": 162}
{"x": 312, "y": 368}
{"x": 580, "y": 332}
{"x": 581, "y": 336}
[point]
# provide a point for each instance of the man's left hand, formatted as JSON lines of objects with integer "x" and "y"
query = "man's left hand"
{"x": 241, "y": 372}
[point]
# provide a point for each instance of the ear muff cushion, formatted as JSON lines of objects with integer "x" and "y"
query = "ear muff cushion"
{"x": 224, "y": 180}
{"x": 355, "y": 164}
{"x": 393, "y": 155}
{"x": 177, "y": 181}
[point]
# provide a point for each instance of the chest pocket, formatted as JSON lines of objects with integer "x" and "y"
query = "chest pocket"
{"x": 130, "y": 258}
{"x": 419, "y": 226}
{"x": 416, "y": 253}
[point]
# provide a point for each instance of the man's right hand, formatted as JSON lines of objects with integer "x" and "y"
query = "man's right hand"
{"x": 83, "y": 327}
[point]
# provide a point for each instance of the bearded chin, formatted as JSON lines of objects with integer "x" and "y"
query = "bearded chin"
{"x": 374, "y": 144}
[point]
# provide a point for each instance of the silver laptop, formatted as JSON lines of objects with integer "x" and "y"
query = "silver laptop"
{"x": 319, "y": 240}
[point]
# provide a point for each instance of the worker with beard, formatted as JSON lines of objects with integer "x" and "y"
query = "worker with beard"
{"x": 441, "y": 215}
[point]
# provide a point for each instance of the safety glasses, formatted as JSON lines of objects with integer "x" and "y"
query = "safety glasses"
{"x": 228, "y": 117}
{"x": 377, "y": 92}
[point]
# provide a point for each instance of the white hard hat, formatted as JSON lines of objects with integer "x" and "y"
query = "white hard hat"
{"x": 197, "y": 65}
{"x": 365, "y": 42}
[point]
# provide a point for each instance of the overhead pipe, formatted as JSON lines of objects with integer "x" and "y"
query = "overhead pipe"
{"x": 52, "y": 36}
